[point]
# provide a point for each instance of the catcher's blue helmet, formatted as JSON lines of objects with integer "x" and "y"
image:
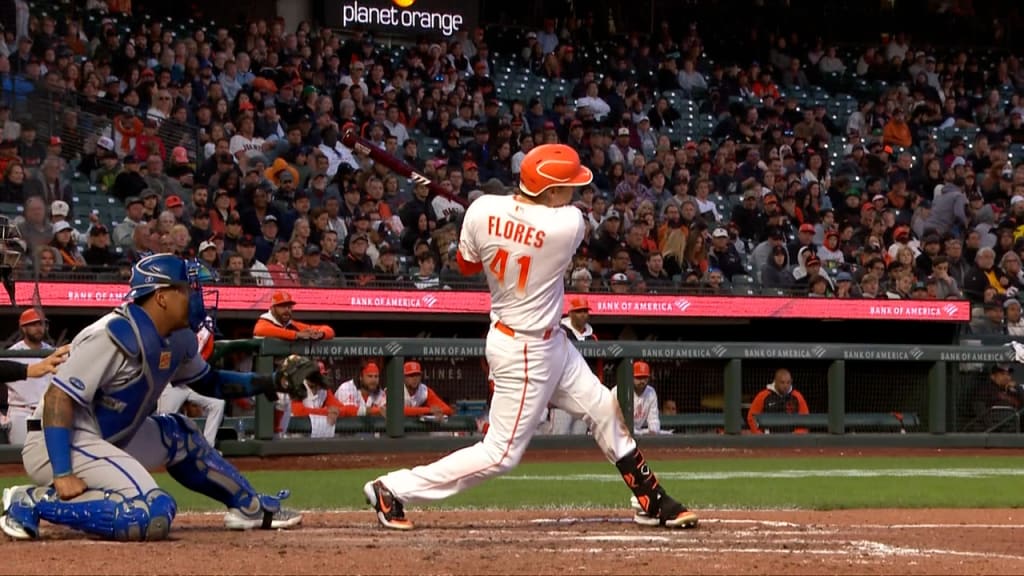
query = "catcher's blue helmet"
{"x": 166, "y": 270}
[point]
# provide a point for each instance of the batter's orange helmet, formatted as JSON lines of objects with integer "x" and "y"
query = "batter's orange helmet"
{"x": 550, "y": 165}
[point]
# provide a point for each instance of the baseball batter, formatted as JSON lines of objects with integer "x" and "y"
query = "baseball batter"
{"x": 23, "y": 396}
{"x": 94, "y": 437}
{"x": 524, "y": 244}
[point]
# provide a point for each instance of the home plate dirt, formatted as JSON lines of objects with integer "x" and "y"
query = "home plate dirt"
{"x": 557, "y": 542}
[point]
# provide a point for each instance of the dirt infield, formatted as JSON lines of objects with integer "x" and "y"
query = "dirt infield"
{"x": 554, "y": 542}
{"x": 557, "y": 541}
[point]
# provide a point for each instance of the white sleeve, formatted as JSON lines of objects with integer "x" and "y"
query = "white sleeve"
{"x": 653, "y": 413}
{"x": 467, "y": 245}
{"x": 236, "y": 145}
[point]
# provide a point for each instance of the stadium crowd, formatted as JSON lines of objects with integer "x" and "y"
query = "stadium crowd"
{"x": 881, "y": 171}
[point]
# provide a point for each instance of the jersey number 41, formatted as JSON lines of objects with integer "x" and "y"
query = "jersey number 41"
{"x": 499, "y": 266}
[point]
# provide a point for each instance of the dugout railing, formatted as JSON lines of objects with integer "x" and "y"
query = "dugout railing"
{"x": 850, "y": 389}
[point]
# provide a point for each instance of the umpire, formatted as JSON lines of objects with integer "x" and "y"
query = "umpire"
{"x": 14, "y": 371}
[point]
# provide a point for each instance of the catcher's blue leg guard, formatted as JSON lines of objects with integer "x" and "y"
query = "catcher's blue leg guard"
{"x": 101, "y": 513}
{"x": 198, "y": 467}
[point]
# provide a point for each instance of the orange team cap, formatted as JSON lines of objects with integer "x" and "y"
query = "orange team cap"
{"x": 641, "y": 370}
{"x": 411, "y": 368}
{"x": 29, "y": 316}
{"x": 578, "y": 303}
{"x": 550, "y": 165}
{"x": 370, "y": 369}
{"x": 281, "y": 298}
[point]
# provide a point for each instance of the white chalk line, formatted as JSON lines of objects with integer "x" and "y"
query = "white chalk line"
{"x": 784, "y": 474}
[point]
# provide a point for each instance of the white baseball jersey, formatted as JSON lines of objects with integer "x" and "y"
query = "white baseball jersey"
{"x": 646, "y": 414}
{"x": 28, "y": 392}
{"x": 350, "y": 395}
{"x": 419, "y": 398}
{"x": 525, "y": 250}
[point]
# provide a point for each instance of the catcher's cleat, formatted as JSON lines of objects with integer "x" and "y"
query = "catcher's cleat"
{"x": 19, "y": 520}
{"x": 673, "y": 515}
{"x": 390, "y": 512}
{"x": 270, "y": 516}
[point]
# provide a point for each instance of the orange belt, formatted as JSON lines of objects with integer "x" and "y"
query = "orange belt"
{"x": 504, "y": 329}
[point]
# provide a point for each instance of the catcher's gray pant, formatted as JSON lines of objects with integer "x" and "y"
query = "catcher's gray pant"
{"x": 173, "y": 397}
{"x": 564, "y": 423}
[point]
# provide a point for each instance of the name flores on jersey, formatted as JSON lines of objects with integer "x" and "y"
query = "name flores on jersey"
{"x": 515, "y": 231}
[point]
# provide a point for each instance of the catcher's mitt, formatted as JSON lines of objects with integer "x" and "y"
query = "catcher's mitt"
{"x": 292, "y": 374}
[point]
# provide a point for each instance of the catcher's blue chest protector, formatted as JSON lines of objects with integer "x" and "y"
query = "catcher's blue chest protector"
{"x": 120, "y": 410}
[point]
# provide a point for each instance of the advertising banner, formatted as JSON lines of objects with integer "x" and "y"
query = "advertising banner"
{"x": 403, "y": 17}
{"x": 257, "y": 299}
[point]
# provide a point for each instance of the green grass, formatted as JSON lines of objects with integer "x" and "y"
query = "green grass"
{"x": 808, "y": 483}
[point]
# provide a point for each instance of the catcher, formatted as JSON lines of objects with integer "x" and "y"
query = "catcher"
{"x": 94, "y": 437}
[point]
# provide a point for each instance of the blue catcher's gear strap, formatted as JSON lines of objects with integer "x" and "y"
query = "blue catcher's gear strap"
{"x": 195, "y": 465}
{"x": 58, "y": 446}
{"x": 102, "y": 513}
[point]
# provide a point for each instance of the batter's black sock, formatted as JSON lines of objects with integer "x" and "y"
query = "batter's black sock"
{"x": 644, "y": 484}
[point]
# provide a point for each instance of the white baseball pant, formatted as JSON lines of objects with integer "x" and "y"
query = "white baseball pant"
{"x": 529, "y": 372}
{"x": 563, "y": 423}
{"x": 173, "y": 397}
{"x": 18, "y": 417}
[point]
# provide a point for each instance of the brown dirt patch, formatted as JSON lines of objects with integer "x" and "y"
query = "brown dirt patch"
{"x": 548, "y": 542}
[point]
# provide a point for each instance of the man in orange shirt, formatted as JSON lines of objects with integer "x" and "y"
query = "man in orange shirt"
{"x": 420, "y": 399}
{"x": 779, "y": 397}
{"x": 278, "y": 322}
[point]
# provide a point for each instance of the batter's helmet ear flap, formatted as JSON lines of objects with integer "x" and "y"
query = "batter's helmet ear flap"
{"x": 550, "y": 165}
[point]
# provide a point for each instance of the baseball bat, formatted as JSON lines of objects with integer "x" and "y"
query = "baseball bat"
{"x": 396, "y": 165}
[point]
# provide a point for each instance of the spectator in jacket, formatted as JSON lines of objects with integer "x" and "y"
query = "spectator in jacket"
{"x": 724, "y": 255}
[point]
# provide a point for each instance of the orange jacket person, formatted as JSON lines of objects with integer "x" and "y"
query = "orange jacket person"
{"x": 278, "y": 323}
{"x": 779, "y": 397}
{"x": 420, "y": 400}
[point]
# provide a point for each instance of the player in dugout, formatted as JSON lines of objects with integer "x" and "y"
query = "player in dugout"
{"x": 420, "y": 399}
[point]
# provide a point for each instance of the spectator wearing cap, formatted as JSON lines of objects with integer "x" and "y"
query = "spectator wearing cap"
{"x": 31, "y": 150}
{"x": 129, "y": 182}
{"x": 246, "y": 248}
{"x": 317, "y": 272}
{"x": 23, "y": 396}
{"x": 365, "y": 398}
{"x": 724, "y": 255}
{"x": 70, "y": 258}
{"x": 357, "y": 265}
{"x": 620, "y": 151}
{"x": 124, "y": 231}
{"x": 831, "y": 253}
{"x": 277, "y": 322}
{"x": 420, "y": 399}
{"x": 98, "y": 252}
{"x": 150, "y": 204}
{"x": 176, "y": 207}
{"x": 804, "y": 243}
{"x": 809, "y": 273}
{"x": 209, "y": 256}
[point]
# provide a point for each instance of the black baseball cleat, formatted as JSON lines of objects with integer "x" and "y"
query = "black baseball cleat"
{"x": 390, "y": 512}
{"x": 672, "y": 515}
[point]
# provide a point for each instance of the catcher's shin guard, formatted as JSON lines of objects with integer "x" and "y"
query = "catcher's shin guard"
{"x": 658, "y": 508}
{"x": 200, "y": 468}
{"x": 105, "y": 514}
